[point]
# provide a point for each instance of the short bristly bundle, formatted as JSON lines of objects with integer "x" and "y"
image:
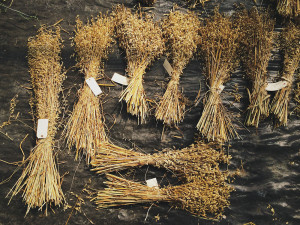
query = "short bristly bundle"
{"x": 218, "y": 49}
{"x": 290, "y": 46}
{"x": 181, "y": 33}
{"x": 288, "y": 8}
{"x": 206, "y": 195}
{"x": 256, "y": 44}
{"x": 85, "y": 129}
{"x": 142, "y": 41}
{"x": 40, "y": 181}
{"x": 193, "y": 160}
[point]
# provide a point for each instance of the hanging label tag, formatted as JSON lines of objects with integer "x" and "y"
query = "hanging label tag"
{"x": 94, "y": 86}
{"x": 42, "y": 128}
{"x": 276, "y": 86}
{"x": 168, "y": 67}
{"x": 221, "y": 88}
{"x": 152, "y": 183}
{"x": 120, "y": 79}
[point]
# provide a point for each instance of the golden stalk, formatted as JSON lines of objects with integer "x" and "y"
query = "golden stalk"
{"x": 288, "y": 8}
{"x": 218, "y": 48}
{"x": 181, "y": 33}
{"x": 291, "y": 49}
{"x": 40, "y": 181}
{"x": 85, "y": 129}
{"x": 142, "y": 41}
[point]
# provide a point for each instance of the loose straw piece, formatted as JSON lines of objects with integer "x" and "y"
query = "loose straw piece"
{"x": 85, "y": 129}
{"x": 290, "y": 47}
{"x": 181, "y": 33}
{"x": 40, "y": 180}
{"x": 142, "y": 41}
{"x": 218, "y": 48}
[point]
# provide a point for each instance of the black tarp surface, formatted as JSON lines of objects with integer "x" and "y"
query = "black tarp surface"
{"x": 266, "y": 193}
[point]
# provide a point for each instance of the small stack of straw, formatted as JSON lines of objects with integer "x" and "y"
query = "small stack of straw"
{"x": 288, "y": 8}
{"x": 205, "y": 195}
{"x": 40, "y": 181}
{"x": 181, "y": 33}
{"x": 290, "y": 46}
{"x": 256, "y": 44}
{"x": 85, "y": 129}
{"x": 142, "y": 41}
{"x": 218, "y": 48}
{"x": 193, "y": 160}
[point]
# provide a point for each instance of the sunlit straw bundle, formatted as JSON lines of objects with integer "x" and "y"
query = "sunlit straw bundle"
{"x": 290, "y": 46}
{"x": 218, "y": 48}
{"x": 288, "y": 8}
{"x": 181, "y": 32}
{"x": 40, "y": 181}
{"x": 142, "y": 41}
{"x": 206, "y": 195}
{"x": 85, "y": 129}
{"x": 256, "y": 44}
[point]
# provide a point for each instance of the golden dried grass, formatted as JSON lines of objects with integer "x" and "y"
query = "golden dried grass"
{"x": 288, "y": 8}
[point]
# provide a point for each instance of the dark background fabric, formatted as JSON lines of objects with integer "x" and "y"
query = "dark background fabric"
{"x": 267, "y": 192}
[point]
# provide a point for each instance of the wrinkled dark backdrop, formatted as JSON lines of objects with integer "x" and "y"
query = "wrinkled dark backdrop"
{"x": 266, "y": 193}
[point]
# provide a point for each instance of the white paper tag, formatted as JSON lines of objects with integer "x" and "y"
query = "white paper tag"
{"x": 221, "y": 88}
{"x": 152, "y": 183}
{"x": 42, "y": 128}
{"x": 276, "y": 86}
{"x": 94, "y": 86}
{"x": 168, "y": 67}
{"x": 120, "y": 79}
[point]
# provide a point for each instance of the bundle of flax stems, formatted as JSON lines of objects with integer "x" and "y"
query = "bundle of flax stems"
{"x": 142, "y": 41}
{"x": 256, "y": 44}
{"x": 218, "y": 49}
{"x": 290, "y": 46}
{"x": 205, "y": 195}
{"x": 194, "y": 159}
{"x": 181, "y": 33}
{"x": 288, "y": 8}
{"x": 40, "y": 181}
{"x": 85, "y": 129}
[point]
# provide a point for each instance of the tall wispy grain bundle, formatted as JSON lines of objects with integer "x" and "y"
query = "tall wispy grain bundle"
{"x": 85, "y": 129}
{"x": 256, "y": 44}
{"x": 288, "y": 8}
{"x": 142, "y": 41}
{"x": 218, "y": 48}
{"x": 193, "y": 160}
{"x": 181, "y": 32}
{"x": 290, "y": 46}
{"x": 40, "y": 181}
{"x": 206, "y": 195}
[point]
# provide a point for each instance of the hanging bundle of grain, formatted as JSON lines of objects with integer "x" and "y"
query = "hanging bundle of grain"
{"x": 181, "y": 33}
{"x": 205, "y": 195}
{"x": 40, "y": 181}
{"x": 192, "y": 160}
{"x": 142, "y": 41}
{"x": 288, "y": 8}
{"x": 218, "y": 49}
{"x": 85, "y": 129}
{"x": 256, "y": 45}
{"x": 290, "y": 46}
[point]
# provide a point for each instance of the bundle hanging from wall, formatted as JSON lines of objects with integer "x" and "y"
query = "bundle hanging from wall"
{"x": 40, "y": 182}
{"x": 290, "y": 47}
{"x": 85, "y": 129}
{"x": 218, "y": 44}
{"x": 142, "y": 41}
{"x": 181, "y": 33}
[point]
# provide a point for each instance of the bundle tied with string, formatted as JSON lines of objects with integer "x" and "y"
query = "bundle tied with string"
{"x": 288, "y": 8}
{"x": 181, "y": 33}
{"x": 290, "y": 47}
{"x": 40, "y": 181}
{"x": 85, "y": 129}
{"x": 256, "y": 44}
{"x": 205, "y": 195}
{"x": 218, "y": 49}
{"x": 192, "y": 160}
{"x": 142, "y": 41}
